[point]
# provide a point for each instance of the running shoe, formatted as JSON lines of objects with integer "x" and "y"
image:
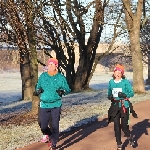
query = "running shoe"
{"x": 119, "y": 147}
{"x": 45, "y": 139}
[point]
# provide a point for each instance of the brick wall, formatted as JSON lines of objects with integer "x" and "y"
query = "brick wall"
{"x": 9, "y": 60}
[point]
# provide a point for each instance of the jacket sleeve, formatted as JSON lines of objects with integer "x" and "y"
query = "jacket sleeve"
{"x": 65, "y": 85}
{"x": 109, "y": 89}
{"x": 129, "y": 90}
{"x": 38, "y": 85}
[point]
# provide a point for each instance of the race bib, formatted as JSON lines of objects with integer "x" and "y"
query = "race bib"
{"x": 115, "y": 91}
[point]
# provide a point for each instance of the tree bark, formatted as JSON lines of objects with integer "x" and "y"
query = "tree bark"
{"x": 34, "y": 73}
{"x": 31, "y": 34}
{"x": 148, "y": 80}
{"x": 138, "y": 80}
{"x": 26, "y": 77}
{"x": 88, "y": 52}
{"x": 133, "y": 21}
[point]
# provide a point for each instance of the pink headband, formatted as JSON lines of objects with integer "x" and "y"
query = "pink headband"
{"x": 119, "y": 69}
{"x": 53, "y": 60}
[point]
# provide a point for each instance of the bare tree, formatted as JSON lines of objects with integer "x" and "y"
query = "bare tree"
{"x": 133, "y": 22}
{"x": 20, "y": 16}
{"x": 73, "y": 29}
{"x": 111, "y": 39}
{"x": 145, "y": 46}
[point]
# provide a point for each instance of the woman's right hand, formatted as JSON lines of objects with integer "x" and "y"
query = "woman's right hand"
{"x": 110, "y": 97}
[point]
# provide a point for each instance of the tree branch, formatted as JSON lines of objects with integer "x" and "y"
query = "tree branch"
{"x": 126, "y": 4}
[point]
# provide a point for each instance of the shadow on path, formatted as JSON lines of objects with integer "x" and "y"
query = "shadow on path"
{"x": 137, "y": 131}
{"x": 80, "y": 133}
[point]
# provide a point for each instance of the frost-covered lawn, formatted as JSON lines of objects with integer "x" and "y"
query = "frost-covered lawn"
{"x": 10, "y": 85}
{"x": 77, "y": 109}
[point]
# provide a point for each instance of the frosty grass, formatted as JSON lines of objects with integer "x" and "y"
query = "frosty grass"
{"x": 77, "y": 109}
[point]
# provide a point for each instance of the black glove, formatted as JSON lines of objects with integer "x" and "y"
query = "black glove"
{"x": 134, "y": 114}
{"x": 122, "y": 95}
{"x": 61, "y": 92}
{"x": 39, "y": 91}
{"x": 110, "y": 97}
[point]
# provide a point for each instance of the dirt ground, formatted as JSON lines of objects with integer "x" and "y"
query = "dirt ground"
{"x": 100, "y": 136}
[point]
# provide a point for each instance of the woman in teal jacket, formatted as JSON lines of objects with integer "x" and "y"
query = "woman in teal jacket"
{"x": 119, "y": 92}
{"x": 51, "y": 86}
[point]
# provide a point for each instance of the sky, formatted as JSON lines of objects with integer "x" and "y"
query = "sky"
{"x": 88, "y": 19}
{"x": 107, "y": 30}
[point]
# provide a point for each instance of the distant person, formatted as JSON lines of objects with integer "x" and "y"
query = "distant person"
{"x": 51, "y": 86}
{"x": 119, "y": 92}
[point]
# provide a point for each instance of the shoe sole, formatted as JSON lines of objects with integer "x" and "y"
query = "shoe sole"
{"x": 52, "y": 148}
{"x": 49, "y": 144}
{"x": 44, "y": 141}
{"x": 132, "y": 142}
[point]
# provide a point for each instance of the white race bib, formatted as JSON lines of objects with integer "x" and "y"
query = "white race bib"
{"x": 115, "y": 91}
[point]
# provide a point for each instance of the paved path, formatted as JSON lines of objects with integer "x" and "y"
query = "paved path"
{"x": 99, "y": 136}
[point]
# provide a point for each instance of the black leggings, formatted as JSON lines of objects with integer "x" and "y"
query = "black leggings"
{"x": 124, "y": 125}
{"x": 50, "y": 116}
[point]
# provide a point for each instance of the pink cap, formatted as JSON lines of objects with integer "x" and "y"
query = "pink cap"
{"x": 53, "y": 60}
{"x": 119, "y": 68}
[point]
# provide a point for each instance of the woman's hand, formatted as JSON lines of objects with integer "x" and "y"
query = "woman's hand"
{"x": 110, "y": 97}
{"x": 122, "y": 95}
{"x": 39, "y": 91}
{"x": 61, "y": 92}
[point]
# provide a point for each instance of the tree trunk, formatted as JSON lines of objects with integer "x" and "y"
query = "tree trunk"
{"x": 35, "y": 105}
{"x": 133, "y": 21}
{"x": 148, "y": 80}
{"x": 34, "y": 73}
{"x": 80, "y": 78}
{"x": 33, "y": 64}
{"x": 26, "y": 77}
{"x": 92, "y": 72}
{"x": 82, "y": 71}
{"x": 138, "y": 80}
